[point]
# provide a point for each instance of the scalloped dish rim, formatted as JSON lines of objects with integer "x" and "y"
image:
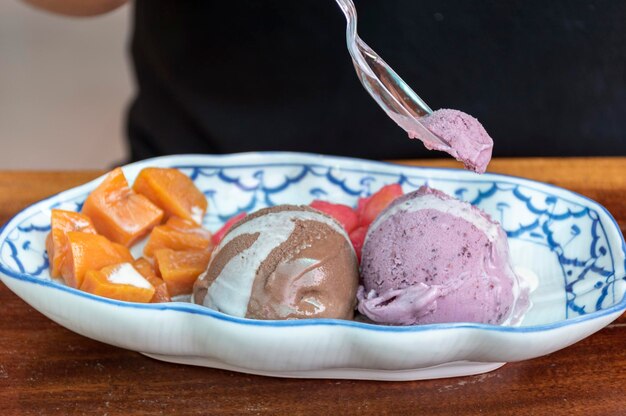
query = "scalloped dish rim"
{"x": 201, "y": 310}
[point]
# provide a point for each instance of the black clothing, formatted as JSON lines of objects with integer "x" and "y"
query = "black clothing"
{"x": 544, "y": 77}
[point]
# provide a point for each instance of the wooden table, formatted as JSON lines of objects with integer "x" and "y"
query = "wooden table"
{"x": 46, "y": 369}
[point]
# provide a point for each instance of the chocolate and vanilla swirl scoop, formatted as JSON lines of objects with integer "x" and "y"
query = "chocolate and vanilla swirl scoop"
{"x": 284, "y": 262}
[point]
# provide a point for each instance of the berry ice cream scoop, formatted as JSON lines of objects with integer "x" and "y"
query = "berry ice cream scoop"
{"x": 430, "y": 258}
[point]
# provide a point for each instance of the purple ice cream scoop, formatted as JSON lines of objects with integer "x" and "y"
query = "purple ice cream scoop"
{"x": 468, "y": 139}
{"x": 430, "y": 258}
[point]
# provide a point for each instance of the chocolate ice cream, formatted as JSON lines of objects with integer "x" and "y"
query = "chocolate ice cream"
{"x": 284, "y": 262}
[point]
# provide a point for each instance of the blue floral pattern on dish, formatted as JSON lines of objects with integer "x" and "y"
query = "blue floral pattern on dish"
{"x": 538, "y": 222}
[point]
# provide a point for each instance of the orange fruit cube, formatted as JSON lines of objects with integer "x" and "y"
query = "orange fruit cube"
{"x": 146, "y": 268}
{"x": 56, "y": 243}
{"x": 161, "y": 294}
{"x": 118, "y": 281}
{"x": 178, "y": 235}
{"x": 172, "y": 191}
{"x": 90, "y": 252}
{"x": 182, "y": 224}
{"x": 180, "y": 269}
{"x": 118, "y": 213}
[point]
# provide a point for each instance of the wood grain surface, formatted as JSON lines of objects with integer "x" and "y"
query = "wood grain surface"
{"x": 48, "y": 370}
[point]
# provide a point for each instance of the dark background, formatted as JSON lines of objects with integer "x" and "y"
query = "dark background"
{"x": 546, "y": 78}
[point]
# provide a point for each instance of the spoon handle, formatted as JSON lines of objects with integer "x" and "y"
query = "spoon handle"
{"x": 389, "y": 91}
{"x": 393, "y": 83}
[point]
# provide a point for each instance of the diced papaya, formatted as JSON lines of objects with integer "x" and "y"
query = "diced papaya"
{"x": 56, "y": 243}
{"x": 161, "y": 294}
{"x": 146, "y": 268}
{"x": 180, "y": 269}
{"x": 90, "y": 252}
{"x": 172, "y": 191}
{"x": 182, "y": 224}
{"x": 118, "y": 281}
{"x": 180, "y": 238}
{"x": 118, "y": 213}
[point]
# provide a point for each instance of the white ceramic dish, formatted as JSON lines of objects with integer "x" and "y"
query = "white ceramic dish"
{"x": 571, "y": 243}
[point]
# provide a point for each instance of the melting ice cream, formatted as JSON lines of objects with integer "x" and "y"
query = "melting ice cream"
{"x": 430, "y": 258}
{"x": 284, "y": 262}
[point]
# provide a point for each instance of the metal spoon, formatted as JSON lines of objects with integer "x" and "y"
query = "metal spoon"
{"x": 391, "y": 93}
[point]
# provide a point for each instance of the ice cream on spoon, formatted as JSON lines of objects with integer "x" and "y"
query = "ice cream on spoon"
{"x": 467, "y": 141}
{"x": 451, "y": 131}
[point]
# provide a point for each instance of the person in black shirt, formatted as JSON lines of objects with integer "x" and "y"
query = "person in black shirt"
{"x": 544, "y": 78}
